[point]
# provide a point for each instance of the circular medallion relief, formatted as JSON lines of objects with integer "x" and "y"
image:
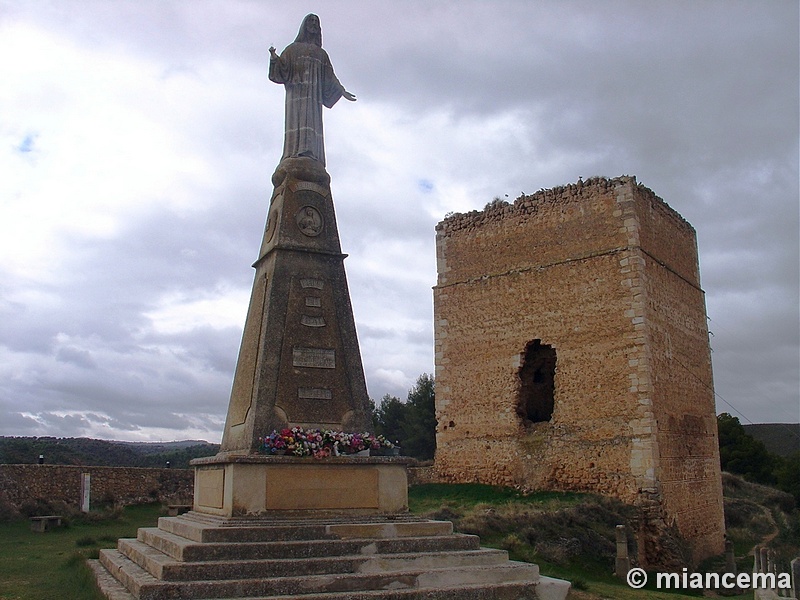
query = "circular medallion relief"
{"x": 309, "y": 221}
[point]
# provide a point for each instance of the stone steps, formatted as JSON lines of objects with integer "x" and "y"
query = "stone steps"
{"x": 113, "y": 590}
{"x": 207, "y": 558}
{"x": 503, "y": 591}
{"x": 167, "y": 568}
{"x": 144, "y": 586}
{"x": 203, "y": 528}
{"x": 186, "y": 550}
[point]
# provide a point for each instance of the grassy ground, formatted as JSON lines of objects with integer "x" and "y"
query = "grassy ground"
{"x": 570, "y": 536}
{"x": 51, "y": 565}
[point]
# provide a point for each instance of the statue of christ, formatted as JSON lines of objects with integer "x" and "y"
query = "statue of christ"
{"x": 306, "y": 72}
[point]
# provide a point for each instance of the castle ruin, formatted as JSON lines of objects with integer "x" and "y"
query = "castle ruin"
{"x": 572, "y": 353}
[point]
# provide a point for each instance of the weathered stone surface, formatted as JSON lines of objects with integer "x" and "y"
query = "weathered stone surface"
{"x": 389, "y": 529}
{"x": 123, "y": 485}
{"x": 400, "y": 558}
{"x": 299, "y": 362}
{"x": 572, "y": 353}
{"x": 623, "y": 563}
{"x": 284, "y": 485}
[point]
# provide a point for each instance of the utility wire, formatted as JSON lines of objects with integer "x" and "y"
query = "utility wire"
{"x": 716, "y": 395}
{"x": 725, "y": 330}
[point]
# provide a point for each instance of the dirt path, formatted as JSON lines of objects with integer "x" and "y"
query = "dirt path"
{"x": 769, "y": 537}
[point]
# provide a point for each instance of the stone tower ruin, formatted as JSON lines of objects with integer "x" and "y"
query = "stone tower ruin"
{"x": 572, "y": 353}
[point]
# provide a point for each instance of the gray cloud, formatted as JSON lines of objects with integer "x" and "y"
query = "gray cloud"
{"x": 122, "y": 301}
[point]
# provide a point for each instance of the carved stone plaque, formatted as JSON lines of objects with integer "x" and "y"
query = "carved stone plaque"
{"x": 298, "y": 186}
{"x": 309, "y": 221}
{"x": 310, "y": 321}
{"x": 312, "y": 282}
{"x": 314, "y": 393}
{"x": 317, "y": 358}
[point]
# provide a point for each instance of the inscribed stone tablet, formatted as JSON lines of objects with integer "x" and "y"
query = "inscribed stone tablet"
{"x": 314, "y": 393}
{"x": 312, "y": 321}
{"x": 318, "y": 358}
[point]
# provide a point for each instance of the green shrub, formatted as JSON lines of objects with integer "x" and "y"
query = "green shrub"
{"x": 86, "y": 540}
{"x": 579, "y": 583}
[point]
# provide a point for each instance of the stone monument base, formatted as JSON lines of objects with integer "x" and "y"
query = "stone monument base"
{"x": 275, "y": 527}
{"x": 254, "y": 485}
{"x": 395, "y": 557}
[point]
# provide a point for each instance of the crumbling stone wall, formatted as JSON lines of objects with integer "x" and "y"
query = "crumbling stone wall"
{"x": 119, "y": 485}
{"x": 604, "y": 275}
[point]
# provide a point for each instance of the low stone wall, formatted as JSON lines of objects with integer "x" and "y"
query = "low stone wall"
{"x": 422, "y": 474}
{"x": 119, "y": 485}
{"x": 20, "y": 484}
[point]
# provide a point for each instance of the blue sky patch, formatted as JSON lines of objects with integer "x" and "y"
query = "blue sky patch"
{"x": 425, "y": 186}
{"x": 27, "y": 143}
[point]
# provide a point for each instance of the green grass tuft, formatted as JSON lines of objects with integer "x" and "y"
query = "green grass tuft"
{"x": 86, "y": 540}
{"x": 579, "y": 583}
{"x": 43, "y": 566}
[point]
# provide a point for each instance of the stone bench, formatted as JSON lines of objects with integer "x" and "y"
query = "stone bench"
{"x": 42, "y": 524}
{"x": 173, "y": 510}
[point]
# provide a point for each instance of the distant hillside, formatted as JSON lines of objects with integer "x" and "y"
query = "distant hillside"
{"x": 88, "y": 452}
{"x": 158, "y": 447}
{"x": 779, "y": 438}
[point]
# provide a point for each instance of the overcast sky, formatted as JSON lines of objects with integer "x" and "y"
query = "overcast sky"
{"x": 137, "y": 141}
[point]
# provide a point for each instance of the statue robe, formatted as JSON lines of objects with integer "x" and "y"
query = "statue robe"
{"x": 307, "y": 74}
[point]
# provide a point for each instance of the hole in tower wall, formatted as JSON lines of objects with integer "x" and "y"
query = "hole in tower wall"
{"x": 537, "y": 375}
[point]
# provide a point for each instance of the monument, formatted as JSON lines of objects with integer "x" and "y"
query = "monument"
{"x": 336, "y": 528}
{"x": 299, "y": 362}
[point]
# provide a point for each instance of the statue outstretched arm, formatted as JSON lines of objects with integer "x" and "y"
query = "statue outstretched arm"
{"x": 279, "y": 71}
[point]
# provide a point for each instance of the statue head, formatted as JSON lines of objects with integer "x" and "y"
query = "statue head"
{"x": 310, "y": 31}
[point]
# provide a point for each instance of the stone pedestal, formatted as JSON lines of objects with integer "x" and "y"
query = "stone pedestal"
{"x": 299, "y": 362}
{"x": 332, "y": 529}
{"x": 238, "y": 486}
